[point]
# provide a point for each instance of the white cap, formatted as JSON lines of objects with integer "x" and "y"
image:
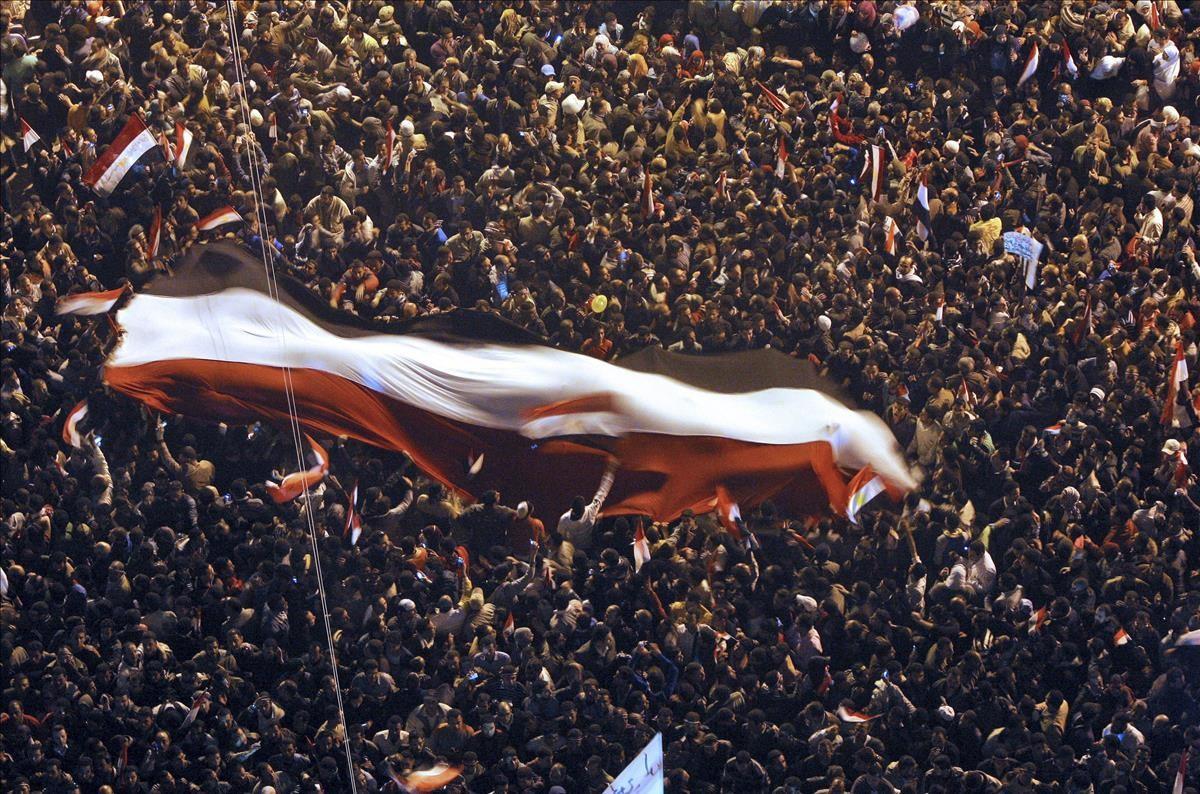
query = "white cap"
{"x": 553, "y": 85}
{"x": 407, "y": 604}
{"x": 1096, "y": 391}
{"x": 342, "y": 92}
{"x": 94, "y": 76}
{"x": 256, "y": 118}
{"x": 824, "y": 323}
{"x": 406, "y": 127}
{"x": 1170, "y": 115}
{"x": 1171, "y": 446}
{"x": 951, "y": 147}
{"x": 523, "y": 510}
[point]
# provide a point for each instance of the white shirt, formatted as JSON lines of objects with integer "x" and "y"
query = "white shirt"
{"x": 579, "y": 530}
{"x": 982, "y": 573}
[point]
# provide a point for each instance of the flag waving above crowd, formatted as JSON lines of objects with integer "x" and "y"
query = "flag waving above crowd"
{"x": 210, "y": 342}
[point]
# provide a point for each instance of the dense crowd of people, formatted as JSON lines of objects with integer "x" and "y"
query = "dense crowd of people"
{"x": 1025, "y": 622}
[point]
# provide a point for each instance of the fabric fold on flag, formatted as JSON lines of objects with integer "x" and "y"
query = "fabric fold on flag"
{"x": 211, "y": 342}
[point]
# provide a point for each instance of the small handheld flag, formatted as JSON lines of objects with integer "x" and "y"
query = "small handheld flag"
{"x": 218, "y": 218}
{"x": 134, "y": 141}
{"x": 1031, "y": 66}
{"x": 28, "y": 136}
{"x": 773, "y": 99}
{"x": 183, "y": 144}
{"x": 71, "y": 434}
{"x": 865, "y": 486}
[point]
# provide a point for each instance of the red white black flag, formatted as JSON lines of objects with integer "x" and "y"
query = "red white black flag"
{"x": 28, "y": 136}
{"x": 134, "y": 142}
{"x": 218, "y": 218}
{"x": 1031, "y": 66}
{"x": 183, "y": 144}
{"x": 206, "y": 343}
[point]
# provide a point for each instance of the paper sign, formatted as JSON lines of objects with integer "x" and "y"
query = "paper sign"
{"x": 644, "y": 775}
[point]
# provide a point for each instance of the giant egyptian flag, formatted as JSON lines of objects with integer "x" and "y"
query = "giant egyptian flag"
{"x": 459, "y": 389}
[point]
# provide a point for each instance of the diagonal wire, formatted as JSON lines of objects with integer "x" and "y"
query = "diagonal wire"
{"x": 289, "y": 391}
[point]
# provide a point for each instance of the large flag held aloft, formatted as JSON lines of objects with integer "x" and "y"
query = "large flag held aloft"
{"x": 211, "y": 342}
